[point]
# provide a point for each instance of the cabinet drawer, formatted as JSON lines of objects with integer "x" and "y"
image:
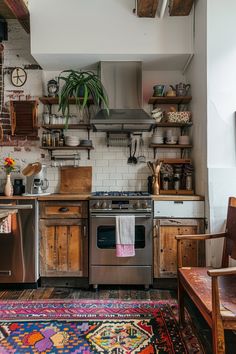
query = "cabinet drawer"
{"x": 179, "y": 209}
{"x": 59, "y": 209}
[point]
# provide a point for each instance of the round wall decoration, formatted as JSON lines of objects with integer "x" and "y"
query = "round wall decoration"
{"x": 18, "y": 76}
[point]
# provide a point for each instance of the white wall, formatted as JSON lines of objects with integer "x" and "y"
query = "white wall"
{"x": 196, "y": 75}
{"x": 110, "y": 168}
{"x": 69, "y": 31}
{"x": 221, "y": 53}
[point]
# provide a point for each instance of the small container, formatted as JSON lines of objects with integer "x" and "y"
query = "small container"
{"x": 165, "y": 181}
{"x": 44, "y": 139}
{"x": 57, "y": 138}
{"x": 53, "y": 140}
{"x": 46, "y": 119}
{"x": 177, "y": 181}
{"x": 49, "y": 141}
{"x": 189, "y": 182}
{"x": 53, "y": 119}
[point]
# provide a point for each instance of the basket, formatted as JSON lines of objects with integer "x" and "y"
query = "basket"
{"x": 179, "y": 117}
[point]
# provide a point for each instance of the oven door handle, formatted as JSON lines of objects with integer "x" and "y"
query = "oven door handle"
{"x": 113, "y": 216}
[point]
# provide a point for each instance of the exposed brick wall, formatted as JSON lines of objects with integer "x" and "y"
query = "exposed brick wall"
{"x": 4, "y": 113}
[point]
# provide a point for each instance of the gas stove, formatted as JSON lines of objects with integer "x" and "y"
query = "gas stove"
{"x": 121, "y": 194}
{"x": 121, "y": 202}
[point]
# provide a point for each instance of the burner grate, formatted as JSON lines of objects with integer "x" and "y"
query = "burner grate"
{"x": 120, "y": 194}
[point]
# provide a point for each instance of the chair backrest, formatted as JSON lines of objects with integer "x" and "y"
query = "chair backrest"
{"x": 230, "y": 242}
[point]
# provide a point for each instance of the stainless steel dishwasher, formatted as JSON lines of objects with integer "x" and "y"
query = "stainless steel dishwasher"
{"x": 19, "y": 242}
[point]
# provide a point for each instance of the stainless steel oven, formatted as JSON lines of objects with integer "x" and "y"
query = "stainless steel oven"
{"x": 105, "y": 267}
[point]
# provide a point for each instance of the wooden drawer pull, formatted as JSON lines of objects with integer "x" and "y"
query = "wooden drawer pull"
{"x": 63, "y": 209}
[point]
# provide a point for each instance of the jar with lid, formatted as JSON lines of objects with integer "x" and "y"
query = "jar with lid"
{"x": 165, "y": 181}
{"x": 44, "y": 139}
{"x": 48, "y": 139}
{"x": 177, "y": 179}
{"x": 189, "y": 182}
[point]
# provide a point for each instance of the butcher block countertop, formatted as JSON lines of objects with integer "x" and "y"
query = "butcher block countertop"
{"x": 176, "y": 197}
{"x": 86, "y": 196}
{"x": 63, "y": 196}
{"x": 16, "y": 197}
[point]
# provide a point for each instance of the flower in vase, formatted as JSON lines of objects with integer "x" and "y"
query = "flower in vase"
{"x": 9, "y": 165}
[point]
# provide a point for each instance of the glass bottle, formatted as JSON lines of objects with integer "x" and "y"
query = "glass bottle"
{"x": 44, "y": 139}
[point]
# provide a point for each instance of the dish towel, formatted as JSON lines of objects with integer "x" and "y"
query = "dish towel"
{"x": 125, "y": 236}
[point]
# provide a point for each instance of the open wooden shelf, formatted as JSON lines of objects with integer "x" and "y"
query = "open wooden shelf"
{"x": 175, "y": 161}
{"x": 55, "y": 100}
{"x": 174, "y": 125}
{"x": 62, "y": 126}
{"x": 67, "y": 147}
{"x": 169, "y": 99}
{"x": 170, "y": 146}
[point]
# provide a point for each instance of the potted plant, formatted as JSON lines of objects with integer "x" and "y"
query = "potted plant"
{"x": 81, "y": 85}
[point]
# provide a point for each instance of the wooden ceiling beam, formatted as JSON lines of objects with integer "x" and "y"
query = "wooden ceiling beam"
{"x": 20, "y": 11}
{"x": 180, "y": 7}
{"x": 147, "y": 8}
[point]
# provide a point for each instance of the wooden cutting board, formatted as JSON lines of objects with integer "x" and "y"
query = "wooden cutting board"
{"x": 76, "y": 180}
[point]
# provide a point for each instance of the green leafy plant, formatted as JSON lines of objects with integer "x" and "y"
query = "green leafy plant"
{"x": 81, "y": 85}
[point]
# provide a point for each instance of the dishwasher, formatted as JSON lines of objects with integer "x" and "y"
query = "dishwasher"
{"x": 19, "y": 242}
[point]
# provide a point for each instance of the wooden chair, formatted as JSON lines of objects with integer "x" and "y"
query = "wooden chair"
{"x": 213, "y": 291}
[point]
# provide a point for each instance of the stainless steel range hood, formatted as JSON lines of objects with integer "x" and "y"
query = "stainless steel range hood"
{"x": 123, "y": 82}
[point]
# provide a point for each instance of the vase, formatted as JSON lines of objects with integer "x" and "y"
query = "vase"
{"x": 8, "y": 189}
{"x": 155, "y": 185}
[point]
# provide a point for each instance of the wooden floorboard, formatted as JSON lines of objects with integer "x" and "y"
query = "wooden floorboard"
{"x": 118, "y": 293}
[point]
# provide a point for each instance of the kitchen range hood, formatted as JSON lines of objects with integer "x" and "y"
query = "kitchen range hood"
{"x": 123, "y": 83}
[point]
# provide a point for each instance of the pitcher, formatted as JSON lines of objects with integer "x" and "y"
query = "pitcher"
{"x": 181, "y": 89}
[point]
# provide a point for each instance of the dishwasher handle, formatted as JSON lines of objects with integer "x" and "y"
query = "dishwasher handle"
{"x": 16, "y": 207}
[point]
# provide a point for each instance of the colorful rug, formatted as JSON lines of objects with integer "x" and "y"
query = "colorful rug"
{"x": 94, "y": 327}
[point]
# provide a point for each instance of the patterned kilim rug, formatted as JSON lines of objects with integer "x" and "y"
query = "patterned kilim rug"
{"x": 92, "y": 326}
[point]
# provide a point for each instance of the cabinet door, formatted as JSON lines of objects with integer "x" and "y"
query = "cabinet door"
{"x": 63, "y": 248}
{"x": 165, "y": 245}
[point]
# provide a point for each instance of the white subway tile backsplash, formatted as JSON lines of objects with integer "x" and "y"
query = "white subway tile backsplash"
{"x": 101, "y": 163}
{"x": 109, "y": 183}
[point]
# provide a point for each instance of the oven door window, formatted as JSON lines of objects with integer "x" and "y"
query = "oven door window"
{"x": 106, "y": 236}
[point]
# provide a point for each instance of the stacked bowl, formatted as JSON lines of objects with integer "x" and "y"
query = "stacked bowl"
{"x": 71, "y": 140}
{"x": 156, "y": 138}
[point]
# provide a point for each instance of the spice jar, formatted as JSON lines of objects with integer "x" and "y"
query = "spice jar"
{"x": 177, "y": 181}
{"x": 189, "y": 182}
{"x": 165, "y": 181}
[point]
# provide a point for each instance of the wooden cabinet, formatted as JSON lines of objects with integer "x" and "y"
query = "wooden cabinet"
{"x": 63, "y": 239}
{"x": 165, "y": 245}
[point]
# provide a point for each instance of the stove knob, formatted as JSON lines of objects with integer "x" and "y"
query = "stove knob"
{"x": 96, "y": 205}
{"x": 145, "y": 205}
{"x": 104, "y": 205}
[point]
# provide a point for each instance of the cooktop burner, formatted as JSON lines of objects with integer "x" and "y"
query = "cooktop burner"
{"x": 120, "y": 194}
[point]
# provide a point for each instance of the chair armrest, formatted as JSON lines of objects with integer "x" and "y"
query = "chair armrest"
{"x": 221, "y": 271}
{"x": 200, "y": 236}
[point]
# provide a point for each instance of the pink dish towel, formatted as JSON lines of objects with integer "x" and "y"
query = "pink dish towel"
{"x": 125, "y": 236}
